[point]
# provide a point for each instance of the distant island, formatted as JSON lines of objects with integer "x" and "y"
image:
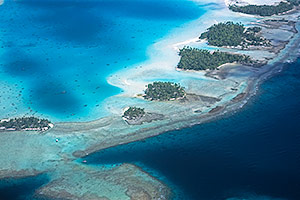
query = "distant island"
{"x": 164, "y": 91}
{"x": 25, "y": 124}
{"x": 266, "y": 10}
{"x": 201, "y": 59}
{"x": 234, "y": 35}
{"x": 144, "y": 104}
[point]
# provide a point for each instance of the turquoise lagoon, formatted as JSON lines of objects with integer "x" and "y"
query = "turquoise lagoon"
{"x": 56, "y": 56}
{"x": 252, "y": 154}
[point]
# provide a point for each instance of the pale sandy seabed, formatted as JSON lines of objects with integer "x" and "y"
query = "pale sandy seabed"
{"x": 30, "y": 153}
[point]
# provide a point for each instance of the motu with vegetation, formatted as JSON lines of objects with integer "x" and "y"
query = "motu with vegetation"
{"x": 266, "y": 10}
{"x": 234, "y": 34}
{"x": 163, "y": 91}
{"x": 25, "y": 123}
{"x": 200, "y": 59}
{"x": 133, "y": 113}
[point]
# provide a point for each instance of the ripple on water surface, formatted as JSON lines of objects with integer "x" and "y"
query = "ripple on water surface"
{"x": 60, "y": 53}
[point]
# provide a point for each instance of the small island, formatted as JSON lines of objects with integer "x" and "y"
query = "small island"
{"x": 134, "y": 113}
{"x": 266, "y": 10}
{"x": 201, "y": 59}
{"x": 138, "y": 116}
{"x": 230, "y": 34}
{"x": 25, "y": 124}
{"x": 164, "y": 91}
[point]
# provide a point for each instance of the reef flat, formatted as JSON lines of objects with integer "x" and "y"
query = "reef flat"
{"x": 123, "y": 182}
{"x": 41, "y": 153}
{"x": 209, "y": 94}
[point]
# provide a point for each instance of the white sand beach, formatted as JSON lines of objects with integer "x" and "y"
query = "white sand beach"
{"x": 163, "y": 59}
{"x": 209, "y": 96}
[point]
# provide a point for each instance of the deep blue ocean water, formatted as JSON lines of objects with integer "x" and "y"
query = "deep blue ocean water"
{"x": 21, "y": 189}
{"x": 254, "y": 152}
{"x": 58, "y": 53}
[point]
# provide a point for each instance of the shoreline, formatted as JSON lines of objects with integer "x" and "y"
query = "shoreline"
{"x": 68, "y": 141}
{"x": 241, "y": 100}
{"x": 134, "y": 134}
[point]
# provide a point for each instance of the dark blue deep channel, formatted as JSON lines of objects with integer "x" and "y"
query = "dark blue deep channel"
{"x": 252, "y": 154}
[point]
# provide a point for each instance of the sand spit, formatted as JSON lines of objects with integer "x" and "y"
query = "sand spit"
{"x": 56, "y": 151}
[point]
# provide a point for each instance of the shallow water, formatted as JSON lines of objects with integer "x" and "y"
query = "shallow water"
{"x": 55, "y": 56}
{"x": 252, "y": 154}
{"x": 61, "y": 73}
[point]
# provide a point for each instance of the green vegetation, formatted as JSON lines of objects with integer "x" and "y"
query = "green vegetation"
{"x": 224, "y": 34}
{"x": 164, "y": 91}
{"x": 266, "y": 10}
{"x": 233, "y": 34}
{"x": 25, "y": 123}
{"x": 200, "y": 59}
{"x": 133, "y": 113}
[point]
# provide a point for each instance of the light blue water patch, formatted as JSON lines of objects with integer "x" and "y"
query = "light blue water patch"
{"x": 252, "y": 154}
{"x": 61, "y": 52}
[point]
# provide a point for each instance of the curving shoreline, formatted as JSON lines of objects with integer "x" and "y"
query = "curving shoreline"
{"x": 83, "y": 138}
{"x": 188, "y": 119}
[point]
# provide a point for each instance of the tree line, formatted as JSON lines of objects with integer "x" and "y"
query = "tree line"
{"x": 163, "y": 91}
{"x": 25, "y": 123}
{"x": 133, "y": 113}
{"x": 266, "y": 10}
{"x": 201, "y": 59}
{"x": 233, "y": 34}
